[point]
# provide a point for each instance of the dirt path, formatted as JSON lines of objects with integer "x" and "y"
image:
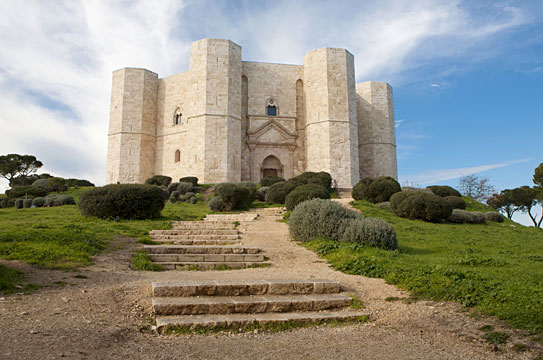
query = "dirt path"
{"x": 104, "y": 312}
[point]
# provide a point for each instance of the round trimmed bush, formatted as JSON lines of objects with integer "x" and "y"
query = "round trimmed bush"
{"x": 234, "y": 195}
{"x": 38, "y": 202}
{"x": 43, "y": 183}
{"x": 371, "y": 232}
{"x": 184, "y": 187}
{"x": 190, "y": 179}
{"x": 19, "y": 203}
{"x": 173, "y": 187}
{"x": 305, "y": 192}
{"x": 320, "y": 218}
{"x": 420, "y": 205}
{"x": 323, "y": 179}
{"x": 165, "y": 192}
{"x": 493, "y": 216}
{"x": 268, "y": 181}
{"x": 3, "y": 203}
{"x": 469, "y": 217}
{"x": 22, "y": 191}
{"x": 27, "y": 203}
{"x": 127, "y": 201}
{"x": 174, "y": 196}
{"x": 444, "y": 190}
{"x": 187, "y": 196}
{"x": 251, "y": 186}
{"x": 261, "y": 193}
{"x": 279, "y": 191}
{"x": 360, "y": 190}
{"x": 159, "y": 180}
{"x": 456, "y": 202}
{"x": 193, "y": 200}
{"x": 217, "y": 204}
{"x": 382, "y": 188}
{"x": 61, "y": 200}
{"x": 385, "y": 206}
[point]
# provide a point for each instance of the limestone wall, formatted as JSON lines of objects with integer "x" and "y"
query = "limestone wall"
{"x": 376, "y": 130}
{"x": 131, "y": 138}
{"x": 331, "y": 141}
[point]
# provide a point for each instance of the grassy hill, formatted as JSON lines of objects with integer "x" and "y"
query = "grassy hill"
{"x": 495, "y": 268}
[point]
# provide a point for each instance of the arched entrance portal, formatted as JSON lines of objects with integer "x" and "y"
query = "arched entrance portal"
{"x": 271, "y": 166}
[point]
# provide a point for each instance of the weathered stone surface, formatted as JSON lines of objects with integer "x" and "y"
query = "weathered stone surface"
{"x": 323, "y": 121}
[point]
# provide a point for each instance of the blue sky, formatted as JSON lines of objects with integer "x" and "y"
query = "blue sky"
{"x": 467, "y": 75}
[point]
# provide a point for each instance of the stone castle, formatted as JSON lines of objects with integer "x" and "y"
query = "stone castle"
{"x": 231, "y": 120}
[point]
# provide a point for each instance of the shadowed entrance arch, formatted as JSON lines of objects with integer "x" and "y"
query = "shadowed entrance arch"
{"x": 271, "y": 166}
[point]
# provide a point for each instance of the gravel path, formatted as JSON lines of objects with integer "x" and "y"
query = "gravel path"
{"x": 105, "y": 312}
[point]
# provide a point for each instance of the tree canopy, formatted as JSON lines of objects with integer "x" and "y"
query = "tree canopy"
{"x": 538, "y": 176}
{"x": 14, "y": 167}
{"x": 476, "y": 187}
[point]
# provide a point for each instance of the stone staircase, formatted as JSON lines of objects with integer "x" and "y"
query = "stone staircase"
{"x": 191, "y": 305}
{"x": 205, "y": 245}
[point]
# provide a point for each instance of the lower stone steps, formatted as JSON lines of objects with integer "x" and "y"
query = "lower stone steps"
{"x": 237, "y": 321}
{"x": 204, "y": 249}
{"x": 195, "y": 232}
{"x": 163, "y": 258}
{"x": 244, "y": 217}
{"x": 197, "y": 242}
{"x": 209, "y": 265}
{"x": 248, "y": 304}
{"x": 159, "y": 237}
{"x": 225, "y": 225}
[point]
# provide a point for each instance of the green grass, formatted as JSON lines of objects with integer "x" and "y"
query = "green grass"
{"x": 257, "y": 204}
{"x": 61, "y": 238}
{"x": 494, "y": 268}
{"x": 496, "y": 337}
{"x": 141, "y": 261}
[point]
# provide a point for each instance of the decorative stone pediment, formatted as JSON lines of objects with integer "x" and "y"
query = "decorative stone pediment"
{"x": 271, "y": 133}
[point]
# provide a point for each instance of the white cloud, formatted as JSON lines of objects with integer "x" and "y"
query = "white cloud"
{"x": 434, "y": 85}
{"x": 435, "y": 176}
{"x": 64, "y": 52}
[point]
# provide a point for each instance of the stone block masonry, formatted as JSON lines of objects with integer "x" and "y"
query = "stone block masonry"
{"x": 229, "y": 120}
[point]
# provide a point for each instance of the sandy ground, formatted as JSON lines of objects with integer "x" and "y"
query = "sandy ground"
{"x": 105, "y": 313}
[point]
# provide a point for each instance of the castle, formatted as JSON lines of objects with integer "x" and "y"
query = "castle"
{"x": 231, "y": 120}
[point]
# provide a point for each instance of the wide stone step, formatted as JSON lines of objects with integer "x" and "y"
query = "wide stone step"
{"x": 240, "y": 320}
{"x": 223, "y": 258}
{"x": 230, "y": 217}
{"x": 195, "y": 232}
{"x": 209, "y": 265}
{"x": 195, "y": 249}
{"x": 194, "y": 237}
{"x": 203, "y": 225}
{"x": 248, "y": 304}
{"x": 198, "y": 242}
{"x": 243, "y": 287}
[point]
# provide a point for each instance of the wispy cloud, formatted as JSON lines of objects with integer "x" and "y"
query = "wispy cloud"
{"x": 55, "y": 78}
{"x": 435, "y": 176}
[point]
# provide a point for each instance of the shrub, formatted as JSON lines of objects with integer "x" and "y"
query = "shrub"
{"x": 470, "y": 217}
{"x": 165, "y": 192}
{"x": 38, "y": 202}
{"x": 234, "y": 195}
{"x": 268, "y": 181}
{"x": 371, "y": 232}
{"x": 190, "y": 179}
{"x": 385, "y": 206}
{"x": 127, "y": 201}
{"x": 27, "y": 203}
{"x": 173, "y": 187}
{"x": 174, "y": 197}
{"x": 305, "y": 192}
{"x": 49, "y": 200}
{"x": 279, "y": 191}
{"x": 318, "y": 217}
{"x": 420, "y": 205}
{"x": 493, "y": 216}
{"x": 360, "y": 190}
{"x": 381, "y": 189}
{"x": 22, "y": 191}
{"x": 159, "y": 180}
{"x": 193, "y": 200}
{"x": 217, "y": 204}
{"x": 184, "y": 187}
{"x": 61, "y": 200}
{"x": 322, "y": 179}
{"x": 456, "y": 202}
{"x": 251, "y": 186}
{"x": 3, "y": 203}
{"x": 18, "y": 203}
{"x": 42, "y": 183}
{"x": 78, "y": 182}
{"x": 187, "y": 196}
{"x": 444, "y": 190}
{"x": 57, "y": 184}
{"x": 261, "y": 193}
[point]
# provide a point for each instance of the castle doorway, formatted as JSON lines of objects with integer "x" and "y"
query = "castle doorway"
{"x": 271, "y": 166}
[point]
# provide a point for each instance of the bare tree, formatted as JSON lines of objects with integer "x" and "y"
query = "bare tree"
{"x": 476, "y": 187}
